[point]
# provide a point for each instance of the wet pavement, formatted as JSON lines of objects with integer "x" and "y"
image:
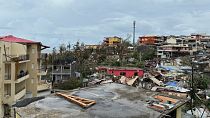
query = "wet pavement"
{"x": 112, "y": 101}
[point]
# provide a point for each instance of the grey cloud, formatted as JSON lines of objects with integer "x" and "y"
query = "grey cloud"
{"x": 62, "y": 21}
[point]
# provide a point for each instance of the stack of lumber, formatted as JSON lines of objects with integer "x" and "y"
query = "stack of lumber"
{"x": 77, "y": 100}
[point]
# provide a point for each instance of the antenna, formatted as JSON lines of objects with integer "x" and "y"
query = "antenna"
{"x": 134, "y": 28}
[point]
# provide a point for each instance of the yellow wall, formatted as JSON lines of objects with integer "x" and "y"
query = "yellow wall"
{"x": 20, "y": 86}
{"x": 12, "y": 49}
{"x": 1, "y": 83}
{"x": 33, "y": 67}
{"x": 31, "y": 84}
{"x": 18, "y": 49}
{"x": 179, "y": 112}
{"x": 1, "y": 110}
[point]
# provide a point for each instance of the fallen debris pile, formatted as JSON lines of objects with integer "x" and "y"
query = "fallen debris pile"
{"x": 85, "y": 103}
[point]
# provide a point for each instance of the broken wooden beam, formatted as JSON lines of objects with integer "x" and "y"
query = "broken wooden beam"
{"x": 83, "y": 102}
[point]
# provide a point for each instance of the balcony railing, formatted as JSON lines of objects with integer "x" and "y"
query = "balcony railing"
{"x": 23, "y": 57}
{"x": 22, "y": 78}
{"x": 22, "y": 74}
{"x": 17, "y": 58}
{"x": 19, "y": 94}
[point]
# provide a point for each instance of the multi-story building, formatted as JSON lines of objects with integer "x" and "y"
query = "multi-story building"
{"x": 92, "y": 47}
{"x": 151, "y": 40}
{"x": 195, "y": 41}
{"x": 110, "y": 41}
{"x": 168, "y": 51}
{"x": 64, "y": 72}
{"x": 20, "y": 70}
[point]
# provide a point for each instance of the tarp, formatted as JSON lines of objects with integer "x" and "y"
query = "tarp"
{"x": 172, "y": 83}
{"x": 171, "y": 68}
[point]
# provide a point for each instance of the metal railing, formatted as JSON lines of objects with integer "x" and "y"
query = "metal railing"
{"x": 23, "y": 57}
{"x": 17, "y": 58}
{"x": 22, "y": 74}
{"x": 22, "y": 88}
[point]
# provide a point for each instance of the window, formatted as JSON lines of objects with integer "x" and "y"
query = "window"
{"x": 122, "y": 73}
{"x": 135, "y": 73}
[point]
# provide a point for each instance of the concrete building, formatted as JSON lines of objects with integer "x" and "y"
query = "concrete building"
{"x": 151, "y": 40}
{"x": 122, "y": 71}
{"x": 195, "y": 41}
{"x": 93, "y": 47}
{"x": 20, "y": 70}
{"x": 169, "y": 51}
{"x": 64, "y": 72}
{"x": 111, "y": 41}
{"x": 171, "y": 40}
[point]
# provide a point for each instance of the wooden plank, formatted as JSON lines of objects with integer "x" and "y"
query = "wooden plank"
{"x": 83, "y": 102}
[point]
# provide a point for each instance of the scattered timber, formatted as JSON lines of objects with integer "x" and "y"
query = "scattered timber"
{"x": 85, "y": 103}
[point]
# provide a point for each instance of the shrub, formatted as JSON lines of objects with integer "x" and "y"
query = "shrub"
{"x": 72, "y": 83}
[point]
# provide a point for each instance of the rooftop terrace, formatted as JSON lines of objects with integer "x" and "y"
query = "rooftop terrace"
{"x": 112, "y": 101}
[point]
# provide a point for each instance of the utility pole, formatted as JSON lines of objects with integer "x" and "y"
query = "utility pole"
{"x": 134, "y": 31}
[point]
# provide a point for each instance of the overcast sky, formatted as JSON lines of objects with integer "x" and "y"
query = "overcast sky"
{"x": 61, "y": 21}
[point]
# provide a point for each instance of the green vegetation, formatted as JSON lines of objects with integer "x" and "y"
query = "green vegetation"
{"x": 201, "y": 82}
{"x": 72, "y": 83}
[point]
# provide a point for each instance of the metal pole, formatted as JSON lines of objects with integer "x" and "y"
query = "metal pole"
{"x": 134, "y": 31}
{"x": 192, "y": 88}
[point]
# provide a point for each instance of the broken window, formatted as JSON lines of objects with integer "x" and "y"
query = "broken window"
{"x": 135, "y": 73}
{"x": 122, "y": 73}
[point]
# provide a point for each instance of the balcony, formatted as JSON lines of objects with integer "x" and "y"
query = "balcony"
{"x": 18, "y": 58}
{"x": 20, "y": 94}
{"x": 22, "y": 78}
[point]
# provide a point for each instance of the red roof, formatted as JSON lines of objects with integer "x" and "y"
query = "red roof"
{"x": 13, "y": 39}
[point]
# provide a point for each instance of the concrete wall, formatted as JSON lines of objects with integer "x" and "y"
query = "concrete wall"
{"x": 179, "y": 112}
{"x": 32, "y": 66}
{"x": 171, "y": 40}
{"x": 20, "y": 86}
{"x": 1, "y": 83}
{"x": 33, "y": 50}
{"x": 18, "y": 49}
